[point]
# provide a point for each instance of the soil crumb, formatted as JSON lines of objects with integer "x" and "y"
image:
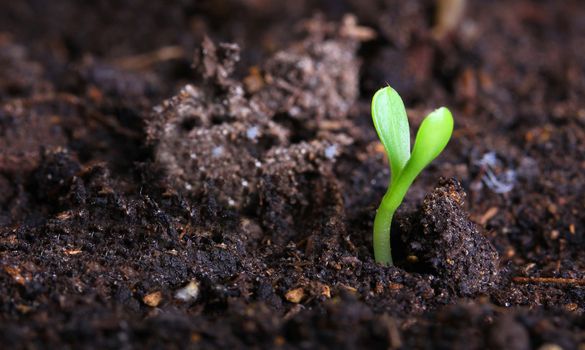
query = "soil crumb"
{"x": 450, "y": 245}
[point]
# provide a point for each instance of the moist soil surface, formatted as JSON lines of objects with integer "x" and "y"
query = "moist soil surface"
{"x": 206, "y": 174}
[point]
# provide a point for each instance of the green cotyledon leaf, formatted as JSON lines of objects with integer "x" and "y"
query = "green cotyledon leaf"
{"x": 391, "y": 123}
{"x": 432, "y": 137}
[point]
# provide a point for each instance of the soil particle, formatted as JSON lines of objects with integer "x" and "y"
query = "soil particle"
{"x": 450, "y": 245}
{"x": 398, "y": 23}
{"x": 212, "y": 139}
{"x": 477, "y": 325}
{"x": 19, "y": 75}
{"x": 507, "y": 332}
{"x": 297, "y": 182}
{"x": 53, "y": 178}
{"x": 209, "y": 139}
{"x": 188, "y": 293}
{"x": 20, "y": 144}
{"x": 339, "y": 317}
{"x": 316, "y": 79}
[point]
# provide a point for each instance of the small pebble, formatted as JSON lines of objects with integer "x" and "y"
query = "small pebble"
{"x": 152, "y": 299}
{"x": 295, "y": 295}
{"x": 188, "y": 293}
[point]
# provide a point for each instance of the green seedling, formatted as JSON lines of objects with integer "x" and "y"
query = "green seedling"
{"x": 391, "y": 123}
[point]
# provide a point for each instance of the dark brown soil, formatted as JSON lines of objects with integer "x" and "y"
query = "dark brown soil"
{"x": 205, "y": 175}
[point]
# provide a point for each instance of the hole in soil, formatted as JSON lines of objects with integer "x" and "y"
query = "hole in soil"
{"x": 262, "y": 145}
{"x": 266, "y": 142}
{"x": 298, "y": 129}
{"x": 221, "y": 118}
{"x": 190, "y": 124}
{"x": 217, "y": 237}
{"x": 399, "y": 242}
{"x": 15, "y": 90}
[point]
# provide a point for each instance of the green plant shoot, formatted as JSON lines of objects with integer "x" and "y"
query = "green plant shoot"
{"x": 391, "y": 124}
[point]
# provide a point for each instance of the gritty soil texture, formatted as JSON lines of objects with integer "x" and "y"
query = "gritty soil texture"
{"x": 205, "y": 175}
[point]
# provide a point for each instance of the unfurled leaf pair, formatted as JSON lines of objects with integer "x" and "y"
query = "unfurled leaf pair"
{"x": 391, "y": 123}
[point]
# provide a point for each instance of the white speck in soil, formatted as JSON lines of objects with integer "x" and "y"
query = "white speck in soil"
{"x": 252, "y": 132}
{"x": 331, "y": 151}
{"x": 502, "y": 183}
{"x": 495, "y": 178}
{"x": 188, "y": 293}
{"x": 189, "y": 89}
{"x": 217, "y": 151}
{"x": 488, "y": 159}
